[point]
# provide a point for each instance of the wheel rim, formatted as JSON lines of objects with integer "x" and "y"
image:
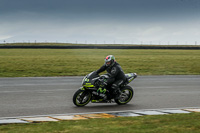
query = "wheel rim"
{"x": 83, "y": 98}
{"x": 125, "y": 96}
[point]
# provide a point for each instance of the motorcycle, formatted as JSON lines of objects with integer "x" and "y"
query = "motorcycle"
{"x": 89, "y": 90}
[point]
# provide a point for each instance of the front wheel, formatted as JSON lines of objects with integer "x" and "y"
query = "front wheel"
{"x": 81, "y": 98}
{"x": 126, "y": 96}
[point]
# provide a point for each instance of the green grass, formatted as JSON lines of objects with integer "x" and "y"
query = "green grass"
{"x": 68, "y": 62}
{"x": 175, "y": 123}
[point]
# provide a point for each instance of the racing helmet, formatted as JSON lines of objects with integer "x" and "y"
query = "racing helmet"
{"x": 109, "y": 60}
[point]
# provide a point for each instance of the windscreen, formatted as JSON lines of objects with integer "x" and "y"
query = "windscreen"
{"x": 92, "y": 75}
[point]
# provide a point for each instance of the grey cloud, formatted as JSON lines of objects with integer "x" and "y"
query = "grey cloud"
{"x": 137, "y": 20}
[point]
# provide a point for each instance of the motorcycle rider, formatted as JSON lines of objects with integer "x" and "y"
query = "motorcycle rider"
{"x": 117, "y": 76}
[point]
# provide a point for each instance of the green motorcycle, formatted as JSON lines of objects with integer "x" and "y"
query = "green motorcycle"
{"x": 90, "y": 90}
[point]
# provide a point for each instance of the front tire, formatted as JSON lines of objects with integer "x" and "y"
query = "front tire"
{"x": 81, "y": 98}
{"x": 126, "y": 96}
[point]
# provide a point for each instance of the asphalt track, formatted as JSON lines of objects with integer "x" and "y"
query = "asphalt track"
{"x": 53, "y": 95}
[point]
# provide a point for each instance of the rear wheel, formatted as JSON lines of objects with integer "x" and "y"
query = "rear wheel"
{"x": 126, "y": 96}
{"x": 81, "y": 98}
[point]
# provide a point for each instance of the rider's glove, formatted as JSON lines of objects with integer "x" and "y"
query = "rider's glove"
{"x": 104, "y": 83}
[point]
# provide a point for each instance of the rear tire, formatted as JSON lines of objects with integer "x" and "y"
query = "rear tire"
{"x": 126, "y": 96}
{"x": 81, "y": 98}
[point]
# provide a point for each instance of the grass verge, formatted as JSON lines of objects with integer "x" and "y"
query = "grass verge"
{"x": 72, "y": 62}
{"x": 174, "y": 123}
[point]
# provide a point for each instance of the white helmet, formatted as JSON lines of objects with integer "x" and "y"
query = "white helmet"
{"x": 110, "y": 60}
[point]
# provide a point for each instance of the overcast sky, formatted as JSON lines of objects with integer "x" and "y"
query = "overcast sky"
{"x": 101, "y": 21}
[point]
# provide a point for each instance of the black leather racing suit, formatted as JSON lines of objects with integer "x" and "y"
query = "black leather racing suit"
{"x": 117, "y": 76}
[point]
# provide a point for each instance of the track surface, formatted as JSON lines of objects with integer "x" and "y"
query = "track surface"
{"x": 53, "y": 95}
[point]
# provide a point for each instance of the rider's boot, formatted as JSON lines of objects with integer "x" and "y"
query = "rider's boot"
{"x": 117, "y": 93}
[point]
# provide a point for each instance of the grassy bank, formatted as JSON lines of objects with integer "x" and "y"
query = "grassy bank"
{"x": 176, "y": 123}
{"x": 68, "y": 62}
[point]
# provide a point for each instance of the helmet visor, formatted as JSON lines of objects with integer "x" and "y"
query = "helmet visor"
{"x": 108, "y": 63}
